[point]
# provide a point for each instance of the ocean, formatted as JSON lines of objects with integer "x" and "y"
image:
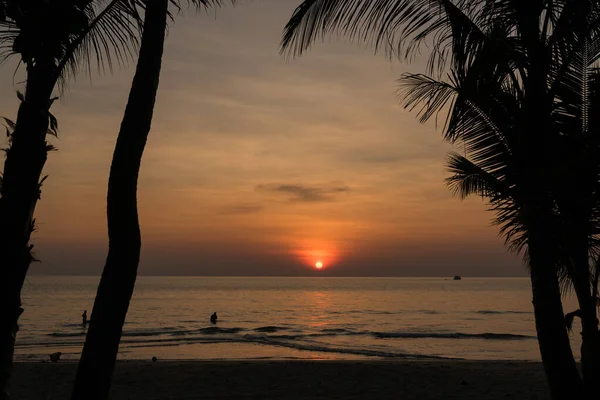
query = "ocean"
{"x": 293, "y": 318}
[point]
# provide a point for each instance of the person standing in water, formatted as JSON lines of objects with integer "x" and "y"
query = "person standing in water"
{"x": 213, "y": 318}
{"x": 84, "y": 320}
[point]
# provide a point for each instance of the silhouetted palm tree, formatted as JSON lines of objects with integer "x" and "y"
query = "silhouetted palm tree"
{"x": 116, "y": 286}
{"x": 54, "y": 39}
{"x": 99, "y": 353}
{"x": 484, "y": 119}
{"x": 511, "y": 63}
{"x": 577, "y": 194}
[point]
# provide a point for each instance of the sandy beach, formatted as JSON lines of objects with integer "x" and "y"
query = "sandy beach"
{"x": 255, "y": 380}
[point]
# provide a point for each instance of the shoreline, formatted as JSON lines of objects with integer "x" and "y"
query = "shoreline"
{"x": 370, "y": 360}
{"x": 295, "y": 379}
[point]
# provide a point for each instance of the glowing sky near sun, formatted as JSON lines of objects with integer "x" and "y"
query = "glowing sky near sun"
{"x": 260, "y": 166}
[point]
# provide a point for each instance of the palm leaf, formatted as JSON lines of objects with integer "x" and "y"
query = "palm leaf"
{"x": 399, "y": 26}
{"x": 112, "y": 35}
{"x": 468, "y": 178}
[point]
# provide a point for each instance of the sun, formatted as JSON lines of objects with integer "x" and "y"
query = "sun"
{"x": 318, "y": 265}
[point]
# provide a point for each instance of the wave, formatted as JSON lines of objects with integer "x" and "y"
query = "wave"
{"x": 70, "y": 325}
{"x": 335, "y": 330}
{"x": 187, "y": 334}
{"x": 501, "y": 312}
{"x": 158, "y": 332}
{"x": 325, "y": 332}
{"x": 338, "y": 332}
{"x": 450, "y": 335}
{"x": 308, "y": 341}
{"x": 211, "y": 330}
{"x": 340, "y": 350}
{"x": 270, "y": 329}
{"x": 66, "y": 334}
{"x": 328, "y": 332}
{"x": 151, "y": 332}
{"x": 379, "y": 312}
{"x": 261, "y": 339}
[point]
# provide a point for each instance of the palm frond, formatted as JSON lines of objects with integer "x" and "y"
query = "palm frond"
{"x": 572, "y": 23}
{"x": 570, "y": 317}
{"x": 111, "y": 35}
{"x": 452, "y": 27}
{"x": 468, "y": 178}
{"x": 426, "y": 95}
{"x": 481, "y": 131}
{"x": 8, "y": 34}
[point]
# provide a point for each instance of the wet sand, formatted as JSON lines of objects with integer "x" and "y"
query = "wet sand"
{"x": 191, "y": 380}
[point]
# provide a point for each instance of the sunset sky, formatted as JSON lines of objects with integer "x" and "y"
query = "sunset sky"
{"x": 256, "y": 165}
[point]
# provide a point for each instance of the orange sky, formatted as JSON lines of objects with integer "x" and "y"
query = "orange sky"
{"x": 256, "y": 165}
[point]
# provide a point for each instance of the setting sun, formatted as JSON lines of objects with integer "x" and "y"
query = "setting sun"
{"x": 317, "y": 254}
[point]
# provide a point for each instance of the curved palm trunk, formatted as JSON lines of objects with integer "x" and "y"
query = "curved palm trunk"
{"x": 553, "y": 339}
{"x": 116, "y": 286}
{"x": 20, "y": 192}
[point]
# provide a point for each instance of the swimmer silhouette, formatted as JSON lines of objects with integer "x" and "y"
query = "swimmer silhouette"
{"x": 213, "y": 318}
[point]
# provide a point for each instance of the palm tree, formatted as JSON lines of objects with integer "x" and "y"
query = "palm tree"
{"x": 55, "y": 40}
{"x": 577, "y": 199}
{"x": 484, "y": 119}
{"x": 509, "y": 62}
{"x": 571, "y": 176}
{"x": 116, "y": 286}
{"x": 114, "y": 293}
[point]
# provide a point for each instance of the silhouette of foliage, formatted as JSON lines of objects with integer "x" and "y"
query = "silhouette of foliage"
{"x": 517, "y": 83}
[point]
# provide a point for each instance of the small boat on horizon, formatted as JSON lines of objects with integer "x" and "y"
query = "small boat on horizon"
{"x": 457, "y": 277}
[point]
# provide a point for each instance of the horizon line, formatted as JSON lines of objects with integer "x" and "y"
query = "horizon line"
{"x": 316, "y": 275}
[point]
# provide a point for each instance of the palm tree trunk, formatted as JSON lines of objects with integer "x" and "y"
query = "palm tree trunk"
{"x": 116, "y": 286}
{"x": 20, "y": 191}
{"x": 590, "y": 337}
{"x": 590, "y": 350}
{"x": 557, "y": 356}
{"x": 553, "y": 339}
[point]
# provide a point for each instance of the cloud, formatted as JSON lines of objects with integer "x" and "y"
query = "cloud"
{"x": 305, "y": 193}
{"x": 240, "y": 209}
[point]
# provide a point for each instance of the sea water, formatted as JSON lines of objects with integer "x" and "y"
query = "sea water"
{"x": 287, "y": 318}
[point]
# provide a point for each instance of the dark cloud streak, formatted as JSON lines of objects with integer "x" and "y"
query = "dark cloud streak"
{"x": 305, "y": 193}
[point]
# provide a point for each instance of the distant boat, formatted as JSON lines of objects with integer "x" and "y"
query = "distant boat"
{"x": 457, "y": 277}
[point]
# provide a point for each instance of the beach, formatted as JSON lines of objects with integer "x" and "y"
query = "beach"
{"x": 306, "y": 379}
{"x": 294, "y": 338}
